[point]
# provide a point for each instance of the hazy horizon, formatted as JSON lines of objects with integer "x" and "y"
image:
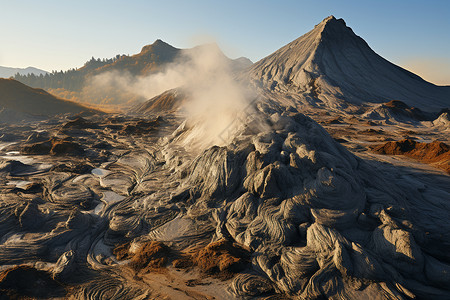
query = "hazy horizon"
{"x": 50, "y": 35}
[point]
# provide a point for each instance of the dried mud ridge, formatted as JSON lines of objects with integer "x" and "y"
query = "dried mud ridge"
{"x": 282, "y": 211}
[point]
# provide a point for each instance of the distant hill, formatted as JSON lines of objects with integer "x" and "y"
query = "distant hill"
{"x": 19, "y": 102}
{"x": 6, "y": 72}
{"x": 151, "y": 59}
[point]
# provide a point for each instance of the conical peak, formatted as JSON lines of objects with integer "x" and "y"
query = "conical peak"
{"x": 331, "y": 23}
{"x": 332, "y": 63}
{"x": 158, "y": 44}
{"x": 334, "y": 30}
{"x": 328, "y": 19}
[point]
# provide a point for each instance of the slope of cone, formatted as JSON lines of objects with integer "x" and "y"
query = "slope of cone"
{"x": 332, "y": 64}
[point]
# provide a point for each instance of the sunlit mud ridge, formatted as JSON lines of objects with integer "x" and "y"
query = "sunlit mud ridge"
{"x": 318, "y": 219}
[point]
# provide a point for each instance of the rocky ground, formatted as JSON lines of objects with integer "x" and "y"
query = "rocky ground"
{"x": 116, "y": 206}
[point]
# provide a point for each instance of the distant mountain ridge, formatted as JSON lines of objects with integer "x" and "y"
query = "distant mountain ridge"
{"x": 332, "y": 65}
{"x": 151, "y": 59}
{"x": 6, "y": 72}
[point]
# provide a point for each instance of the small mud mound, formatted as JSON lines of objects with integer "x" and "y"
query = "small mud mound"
{"x": 54, "y": 146}
{"x": 398, "y": 111}
{"x": 73, "y": 167}
{"x": 168, "y": 101}
{"x": 337, "y": 120}
{"x": 12, "y": 166}
{"x": 396, "y": 104}
{"x": 372, "y": 131}
{"x": 222, "y": 258}
{"x": 17, "y": 168}
{"x": 182, "y": 263}
{"x": 151, "y": 256}
{"x": 36, "y": 137}
{"x": 41, "y": 148}
{"x": 121, "y": 251}
{"x": 30, "y": 188}
{"x": 436, "y": 153}
{"x": 141, "y": 127}
{"x": 23, "y": 282}
{"x": 64, "y": 147}
{"x": 443, "y": 121}
{"x": 80, "y": 123}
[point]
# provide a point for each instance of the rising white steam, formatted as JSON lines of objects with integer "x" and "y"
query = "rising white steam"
{"x": 217, "y": 103}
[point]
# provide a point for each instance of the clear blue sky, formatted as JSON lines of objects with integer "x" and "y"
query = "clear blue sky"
{"x": 55, "y": 35}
